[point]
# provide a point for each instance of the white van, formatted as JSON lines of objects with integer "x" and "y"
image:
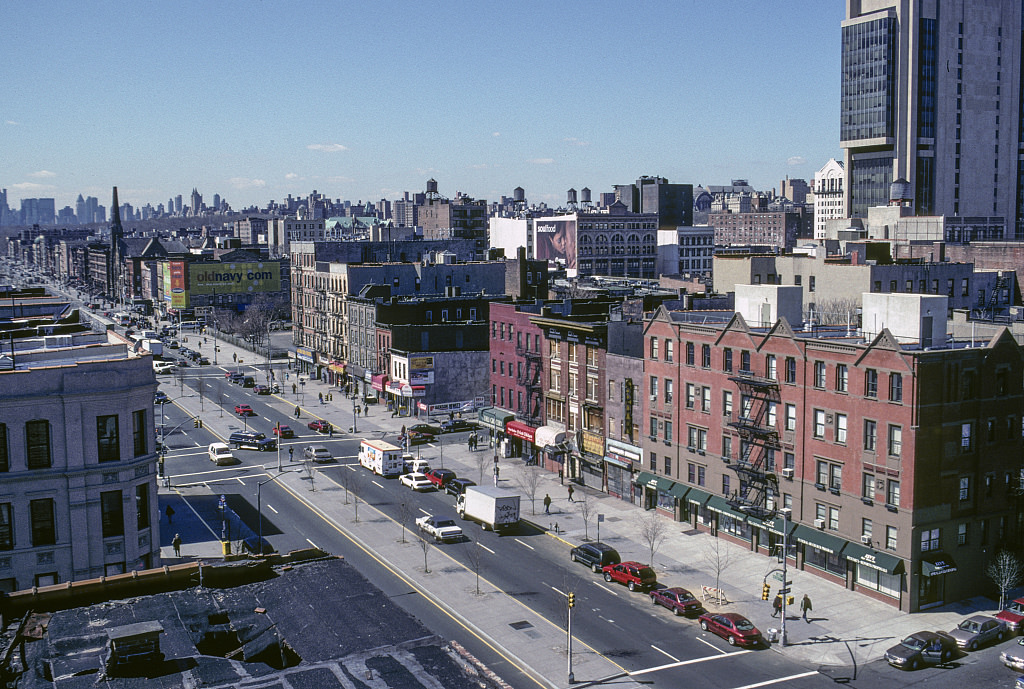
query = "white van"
{"x": 162, "y": 367}
{"x": 220, "y": 454}
{"x": 381, "y": 457}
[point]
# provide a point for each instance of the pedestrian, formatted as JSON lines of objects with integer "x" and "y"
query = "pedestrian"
{"x": 366, "y": 410}
{"x": 570, "y": 493}
{"x": 297, "y": 412}
{"x": 357, "y": 410}
{"x": 777, "y": 605}
{"x": 330, "y": 432}
{"x": 177, "y": 545}
{"x": 321, "y": 398}
{"x": 291, "y": 453}
{"x": 805, "y": 607}
{"x": 170, "y": 514}
{"x": 547, "y": 504}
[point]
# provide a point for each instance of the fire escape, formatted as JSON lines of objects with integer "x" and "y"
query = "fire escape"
{"x": 530, "y": 377}
{"x": 758, "y": 440}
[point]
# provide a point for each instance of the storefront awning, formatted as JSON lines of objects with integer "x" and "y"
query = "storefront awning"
{"x": 654, "y": 482}
{"x": 869, "y": 557}
{"x": 549, "y": 436}
{"x": 495, "y": 418}
{"x": 336, "y": 367}
{"x": 698, "y": 496}
{"x": 935, "y": 563}
{"x": 679, "y": 491}
{"x": 518, "y": 429}
{"x": 610, "y": 459}
{"x": 718, "y": 504}
{"x": 378, "y": 381}
{"x": 777, "y": 526}
{"x": 819, "y": 539}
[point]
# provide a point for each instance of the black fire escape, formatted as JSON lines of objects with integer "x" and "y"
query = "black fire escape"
{"x": 530, "y": 377}
{"x": 758, "y": 440}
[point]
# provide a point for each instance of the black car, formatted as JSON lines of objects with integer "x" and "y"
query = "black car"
{"x": 252, "y": 440}
{"x": 595, "y": 555}
{"x": 457, "y": 425}
{"x": 425, "y": 428}
{"x": 416, "y": 438}
{"x": 161, "y": 397}
{"x": 922, "y": 648}
{"x": 457, "y": 486}
{"x": 248, "y": 382}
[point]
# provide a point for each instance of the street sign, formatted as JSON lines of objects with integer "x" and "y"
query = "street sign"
{"x": 784, "y": 591}
{"x": 600, "y": 517}
{"x": 777, "y": 576}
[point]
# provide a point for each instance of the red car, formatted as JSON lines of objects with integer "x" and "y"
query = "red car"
{"x": 319, "y": 425}
{"x": 678, "y": 600}
{"x": 244, "y": 410}
{"x": 440, "y": 477}
{"x": 284, "y": 431}
{"x": 633, "y": 574}
{"x": 731, "y": 626}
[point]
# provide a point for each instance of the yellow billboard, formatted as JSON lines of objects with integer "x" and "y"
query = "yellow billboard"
{"x": 234, "y": 278}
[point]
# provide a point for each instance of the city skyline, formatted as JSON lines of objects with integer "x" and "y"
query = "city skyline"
{"x": 258, "y": 101}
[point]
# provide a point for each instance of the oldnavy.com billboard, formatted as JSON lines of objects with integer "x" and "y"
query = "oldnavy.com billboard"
{"x": 232, "y": 278}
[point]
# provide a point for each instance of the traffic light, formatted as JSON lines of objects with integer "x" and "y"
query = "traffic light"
{"x": 572, "y": 600}
{"x": 766, "y": 591}
{"x": 195, "y": 423}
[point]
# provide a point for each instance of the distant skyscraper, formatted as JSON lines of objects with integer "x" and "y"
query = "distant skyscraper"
{"x": 216, "y": 202}
{"x": 80, "y": 210}
{"x": 197, "y": 202}
{"x": 931, "y": 93}
{"x": 177, "y": 204}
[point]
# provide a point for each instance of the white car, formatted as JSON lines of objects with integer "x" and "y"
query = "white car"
{"x": 162, "y": 367}
{"x": 417, "y": 481}
{"x": 220, "y": 454}
{"x": 441, "y": 528}
{"x": 318, "y": 453}
{"x": 414, "y": 465}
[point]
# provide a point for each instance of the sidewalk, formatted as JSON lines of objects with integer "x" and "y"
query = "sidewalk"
{"x": 845, "y": 628}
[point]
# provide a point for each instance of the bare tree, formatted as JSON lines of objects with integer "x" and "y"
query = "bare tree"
{"x": 586, "y": 509}
{"x": 839, "y": 311}
{"x": 527, "y": 479}
{"x": 346, "y": 482}
{"x": 404, "y": 515}
{"x": 653, "y": 531}
{"x": 475, "y": 558}
{"x": 483, "y": 460}
{"x": 310, "y": 469}
{"x": 355, "y": 483}
{"x": 1006, "y": 571}
{"x": 718, "y": 557}
{"x": 425, "y": 547}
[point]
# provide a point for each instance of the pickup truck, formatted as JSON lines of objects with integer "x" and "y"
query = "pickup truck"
{"x": 441, "y": 528}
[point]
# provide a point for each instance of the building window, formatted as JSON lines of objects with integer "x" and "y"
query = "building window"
{"x": 701, "y": 471}
{"x": 654, "y": 348}
{"x": 788, "y": 461}
{"x": 44, "y": 529}
{"x": 705, "y": 400}
{"x": 697, "y": 439}
{"x": 669, "y": 350}
{"x": 142, "y": 506}
{"x": 819, "y": 423}
{"x": 727, "y": 402}
{"x": 895, "y": 387}
{"x": 726, "y": 485}
{"x": 108, "y": 448}
{"x": 871, "y": 383}
{"x": 790, "y": 417}
{"x": 892, "y": 493}
{"x": 705, "y": 356}
{"x": 833, "y": 519}
{"x": 961, "y": 534}
{"x": 37, "y": 443}
{"x": 842, "y": 377}
{"x": 727, "y": 360}
{"x": 930, "y": 540}
{"x": 866, "y": 528}
{"x": 5, "y": 457}
{"x": 867, "y": 488}
{"x": 654, "y": 427}
{"x": 810, "y": 284}
{"x": 890, "y": 537}
{"x": 689, "y": 354}
{"x": 790, "y": 370}
{"x": 773, "y": 414}
{"x": 139, "y": 434}
{"x": 112, "y": 510}
{"x": 653, "y": 462}
{"x": 870, "y": 435}
{"x": 668, "y": 432}
{"x": 727, "y": 446}
{"x": 770, "y": 366}
{"x": 691, "y": 472}
{"x": 965, "y": 488}
{"x": 966, "y": 439}
{"x": 654, "y": 388}
{"x": 745, "y": 361}
{"x": 819, "y": 374}
{"x": 691, "y": 395}
{"x": 895, "y": 441}
{"x": 668, "y": 465}
{"x": 6, "y": 527}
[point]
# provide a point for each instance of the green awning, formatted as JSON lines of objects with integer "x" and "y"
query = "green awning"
{"x": 698, "y": 496}
{"x": 819, "y": 539}
{"x": 776, "y": 526}
{"x": 679, "y": 491}
{"x": 495, "y": 418}
{"x": 935, "y": 563}
{"x": 719, "y": 504}
{"x": 869, "y": 557}
{"x": 654, "y": 482}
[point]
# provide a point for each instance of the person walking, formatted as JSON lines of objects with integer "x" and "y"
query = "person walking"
{"x": 777, "y": 605}
{"x": 170, "y": 514}
{"x": 805, "y": 607}
{"x": 321, "y": 398}
{"x": 571, "y": 491}
{"x": 547, "y": 504}
{"x": 177, "y": 545}
{"x": 297, "y": 412}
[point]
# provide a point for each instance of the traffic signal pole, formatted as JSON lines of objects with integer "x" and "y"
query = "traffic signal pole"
{"x": 568, "y": 633}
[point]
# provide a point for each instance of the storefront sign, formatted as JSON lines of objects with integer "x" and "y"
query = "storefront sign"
{"x": 593, "y": 443}
{"x": 447, "y": 407}
{"x": 304, "y": 354}
{"x": 421, "y": 362}
{"x": 518, "y": 429}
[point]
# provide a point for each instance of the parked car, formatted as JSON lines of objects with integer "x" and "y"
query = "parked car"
{"x": 1013, "y": 658}
{"x": 415, "y": 438}
{"x": 174, "y": 344}
{"x": 161, "y": 397}
{"x": 248, "y": 382}
{"x": 163, "y": 367}
{"x": 261, "y": 389}
{"x": 244, "y": 410}
{"x": 425, "y": 428}
{"x": 203, "y": 361}
{"x": 1012, "y": 615}
{"x": 440, "y": 477}
{"x": 417, "y": 481}
{"x": 978, "y": 630}
{"x": 457, "y": 486}
{"x": 252, "y": 440}
{"x": 633, "y": 574}
{"x": 441, "y": 528}
{"x": 595, "y": 555}
{"x": 457, "y": 425}
{"x": 220, "y": 454}
{"x": 319, "y": 425}
{"x": 412, "y": 464}
{"x": 318, "y": 453}
{"x": 922, "y": 648}
{"x": 678, "y": 600}
{"x": 733, "y": 627}
{"x": 284, "y": 431}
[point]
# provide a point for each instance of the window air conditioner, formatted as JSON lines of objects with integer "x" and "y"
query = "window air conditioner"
{"x": 819, "y": 523}
{"x": 654, "y": 398}
{"x": 787, "y": 472}
{"x": 866, "y": 540}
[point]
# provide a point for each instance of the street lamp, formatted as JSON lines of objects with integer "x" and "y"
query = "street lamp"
{"x": 355, "y": 415}
{"x": 259, "y": 503}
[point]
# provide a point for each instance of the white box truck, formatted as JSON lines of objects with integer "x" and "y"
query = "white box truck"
{"x": 493, "y": 508}
{"x": 154, "y": 347}
{"x": 381, "y": 457}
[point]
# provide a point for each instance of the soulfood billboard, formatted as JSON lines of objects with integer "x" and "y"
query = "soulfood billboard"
{"x": 234, "y": 278}
{"x": 556, "y": 241}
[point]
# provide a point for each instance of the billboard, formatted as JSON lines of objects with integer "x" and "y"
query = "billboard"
{"x": 234, "y": 278}
{"x": 175, "y": 284}
{"x": 556, "y": 241}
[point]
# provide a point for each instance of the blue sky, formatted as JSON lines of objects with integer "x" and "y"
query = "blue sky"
{"x": 258, "y": 99}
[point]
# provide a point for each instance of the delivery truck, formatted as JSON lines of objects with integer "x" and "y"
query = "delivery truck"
{"x": 381, "y": 457}
{"x": 493, "y": 508}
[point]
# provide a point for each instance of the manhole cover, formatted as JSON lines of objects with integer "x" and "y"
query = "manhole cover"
{"x": 518, "y": 626}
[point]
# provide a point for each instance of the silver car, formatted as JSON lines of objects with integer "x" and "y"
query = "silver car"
{"x": 318, "y": 453}
{"x": 978, "y": 630}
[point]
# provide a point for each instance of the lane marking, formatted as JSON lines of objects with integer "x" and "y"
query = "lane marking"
{"x": 377, "y": 484}
{"x": 559, "y": 592}
{"x": 674, "y": 659}
{"x": 424, "y": 511}
{"x": 313, "y": 544}
{"x": 526, "y": 544}
{"x": 692, "y": 661}
{"x": 778, "y": 680}
{"x": 271, "y": 508}
{"x": 601, "y": 585}
{"x": 485, "y": 548}
{"x": 709, "y": 644}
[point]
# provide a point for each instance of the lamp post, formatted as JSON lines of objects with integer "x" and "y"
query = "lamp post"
{"x": 355, "y": 416}
{"x": 785, "y": 556}
{"x": 259, "y": 503}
